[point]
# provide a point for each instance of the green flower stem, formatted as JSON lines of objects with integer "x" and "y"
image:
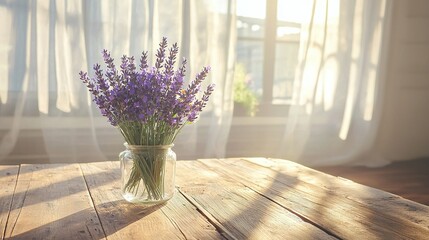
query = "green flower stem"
{"x": 148, "y": 164}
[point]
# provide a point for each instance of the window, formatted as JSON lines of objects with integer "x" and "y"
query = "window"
{"x": 268, "y": 33}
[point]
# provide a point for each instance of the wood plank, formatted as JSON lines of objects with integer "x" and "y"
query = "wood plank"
{"x": 321, "y": 199}
{"x": 177, "y": 219}
{"x": 374, "y": 199}
{"x": 245, "y": 213}
{"x": 52, "y": 202}
{"x": 8, "y": 176}
{"x": 408, "y": 179}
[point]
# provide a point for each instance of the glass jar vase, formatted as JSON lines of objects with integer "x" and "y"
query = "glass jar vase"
{"x": 148, "y": 173}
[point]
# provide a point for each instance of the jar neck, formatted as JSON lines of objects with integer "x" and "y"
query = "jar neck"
{"x": 147, "y": 147}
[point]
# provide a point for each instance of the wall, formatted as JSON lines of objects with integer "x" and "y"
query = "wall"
{"x": 404, "y": 132}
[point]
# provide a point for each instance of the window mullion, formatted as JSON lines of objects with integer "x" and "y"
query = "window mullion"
{"x": 269, "y": 50}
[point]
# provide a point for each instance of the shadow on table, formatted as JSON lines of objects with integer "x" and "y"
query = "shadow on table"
{"x": 296, "y": 201}
{"x": 320, "y": 203}
{"x": 86, "y": 224}
{"x": 8, "y": 171}
{"x": 258, "y": 202}
{"x": 47, "y": 193}
{"x": 271, "y": 207}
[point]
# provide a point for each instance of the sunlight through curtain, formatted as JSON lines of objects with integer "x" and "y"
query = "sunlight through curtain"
{"x": 46, "y": 112}
{"x": 338, "y": 85}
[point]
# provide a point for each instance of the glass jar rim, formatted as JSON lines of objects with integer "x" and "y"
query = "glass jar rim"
{"x": 142, "y": 147}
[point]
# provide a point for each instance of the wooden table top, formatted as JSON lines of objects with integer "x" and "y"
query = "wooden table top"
{"x": 252, "y": 198}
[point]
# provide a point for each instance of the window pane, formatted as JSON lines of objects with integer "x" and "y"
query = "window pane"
{"x": 251, "y": 8}
{"x": 284, "y": 73}
{"x": 250, "y": 27}
{"x": 294, "y": 10}
{"x": 289, "y": 17}
{"x": 251, "y": 18}
{"x": 288, "y": 31}
{"x": 250, "y": 56}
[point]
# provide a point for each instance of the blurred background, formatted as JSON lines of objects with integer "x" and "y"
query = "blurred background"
{"x": 322, "y": 83}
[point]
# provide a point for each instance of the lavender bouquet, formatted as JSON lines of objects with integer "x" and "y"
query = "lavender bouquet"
{"x": 149, "y": 106}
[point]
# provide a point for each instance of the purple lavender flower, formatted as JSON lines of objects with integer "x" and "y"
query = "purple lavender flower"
{"x": 150, "y": 105}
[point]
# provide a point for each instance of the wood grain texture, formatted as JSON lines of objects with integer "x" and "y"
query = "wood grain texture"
{"x": 122, "y": 220}
{"x": 342, "y": 207}
{"x": 52, "y": 202}
{"x": 242, "y": 198}
{"x": 8, "y": 177}
{"x": 246, "y": 213}
{"x": 371, "y": 198}
{"x": 408, "y": 179}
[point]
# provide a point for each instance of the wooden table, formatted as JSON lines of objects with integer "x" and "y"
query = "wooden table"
{"x": 254, "y": 198}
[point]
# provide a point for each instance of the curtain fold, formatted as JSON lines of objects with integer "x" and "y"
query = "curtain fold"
{"x": 46, "y": 112}
{"x": 339, "y": 84}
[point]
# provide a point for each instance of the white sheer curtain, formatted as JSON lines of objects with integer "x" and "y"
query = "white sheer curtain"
{"x": 46, "y": 113}
{"x": 339, "y": 84}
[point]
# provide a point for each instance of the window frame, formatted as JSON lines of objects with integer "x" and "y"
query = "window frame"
{"x": 269, "y": 41}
